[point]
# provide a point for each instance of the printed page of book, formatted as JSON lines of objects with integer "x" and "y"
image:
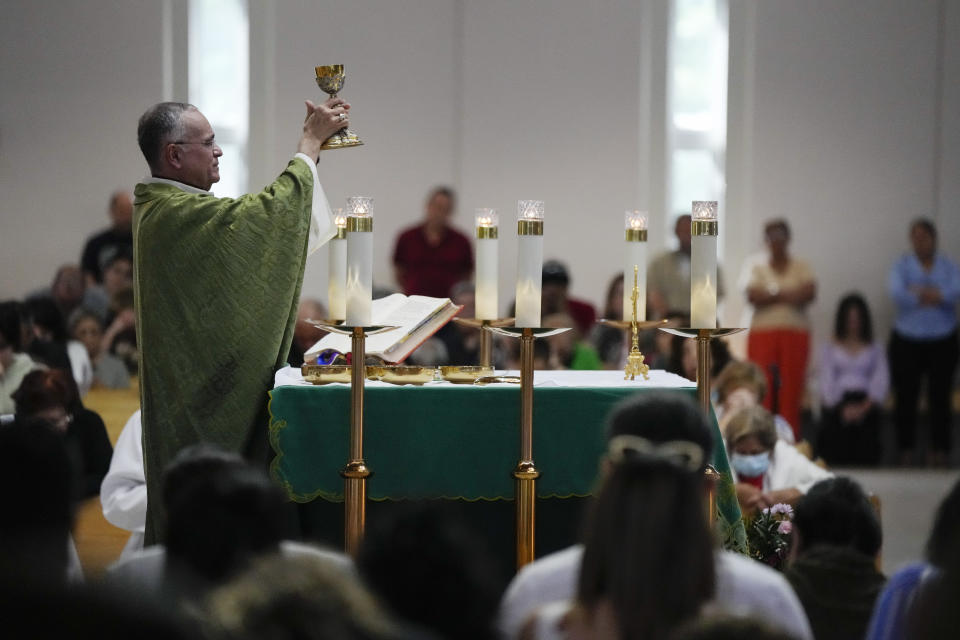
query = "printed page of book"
{"x": 413, "y": 314}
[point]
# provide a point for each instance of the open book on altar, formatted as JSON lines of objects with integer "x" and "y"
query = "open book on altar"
{"x": 416, "y": 318}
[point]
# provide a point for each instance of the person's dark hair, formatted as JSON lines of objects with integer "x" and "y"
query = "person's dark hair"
{"x": 443, "y": 190}
{"x": 555, "y": 272}
{"x": 649, "y": 519}
{"x": 79, "y": 315}
{"x": 160, "y": 125}
{"x": 44, "y": 389}
{"x": 613, "y": 308}
{"x": 777, "y": 223}
{"x": 43, "y": 312}
{"x": 122, "y": 253}
{"x": 35, "y": 523}
{"x": 837, "y": 512}
{"x": 926, "y": 224}
{"x": 934, "y": 613}
{"x": 727, "y": 627}
{"x": 221, "y": 513}
{"x": 943, "y": 545}
{"x": 853, "y": 301}
{"x": 432, "y": 571}
{"x": 10, "y": 324}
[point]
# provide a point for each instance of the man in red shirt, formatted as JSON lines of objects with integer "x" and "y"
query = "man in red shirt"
{"x": 433, "y": 256}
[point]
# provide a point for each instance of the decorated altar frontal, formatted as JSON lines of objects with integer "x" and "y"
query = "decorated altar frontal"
{"x": 460, "y": 442}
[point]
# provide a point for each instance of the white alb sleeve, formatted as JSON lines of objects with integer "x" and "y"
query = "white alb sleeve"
{"x": 322, "y": 226}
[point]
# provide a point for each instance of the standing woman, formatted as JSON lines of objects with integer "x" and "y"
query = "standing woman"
{"x": 780, "y": 288}
{"x": 925, "y": 286}
{"x": 854, "y": 380}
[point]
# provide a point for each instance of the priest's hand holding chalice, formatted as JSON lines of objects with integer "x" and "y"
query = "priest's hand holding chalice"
{"x": 330, "y": 79}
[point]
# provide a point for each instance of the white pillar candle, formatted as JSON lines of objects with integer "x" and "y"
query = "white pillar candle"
{"x": 487, "y": 260}
{"x": 636, "y": 255}
{"x": 703, "y": 265}
{"x": 337, "y": 281}
{"x": 359, "y": 261}
{"x": 529, "y": 262}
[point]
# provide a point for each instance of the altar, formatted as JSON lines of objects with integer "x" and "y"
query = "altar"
{"x": 450, "y": 442}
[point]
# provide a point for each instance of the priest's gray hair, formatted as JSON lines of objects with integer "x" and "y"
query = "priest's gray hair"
{"x": 160, "y": 125}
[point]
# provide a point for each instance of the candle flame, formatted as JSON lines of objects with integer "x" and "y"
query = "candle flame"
{"x": 636, "y": 220}
{"x": 487, "y": 218}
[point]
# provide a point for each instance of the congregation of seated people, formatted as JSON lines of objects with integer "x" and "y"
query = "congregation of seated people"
{"x": 648, "y": 564}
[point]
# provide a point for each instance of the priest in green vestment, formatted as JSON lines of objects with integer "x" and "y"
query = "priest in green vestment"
{"x": 216, "y": 284}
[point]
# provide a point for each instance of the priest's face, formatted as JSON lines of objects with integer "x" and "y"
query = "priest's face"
{"x": 199, "y": 155}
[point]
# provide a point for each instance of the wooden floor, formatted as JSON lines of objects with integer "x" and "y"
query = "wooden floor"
{"x": 98, "y": 542}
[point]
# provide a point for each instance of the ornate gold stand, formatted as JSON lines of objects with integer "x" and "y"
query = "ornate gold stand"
{"x": 486, "y": 342}
{"x": 703, "y": 337}
{"x": 525, "y": 472}
{"x": 356, "y": 472}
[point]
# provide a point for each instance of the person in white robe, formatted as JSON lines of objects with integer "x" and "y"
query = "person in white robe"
{"x": 123, "y": 493}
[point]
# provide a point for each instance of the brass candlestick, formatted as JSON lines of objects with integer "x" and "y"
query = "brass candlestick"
{"x": 526, "y": 472}
{"x": 330, "y": 79}
{"x": 635, "y": 365}
{"x": 703, "y": 337}
{"x": 486, "y": 342}
{"x": 356, "y": 472}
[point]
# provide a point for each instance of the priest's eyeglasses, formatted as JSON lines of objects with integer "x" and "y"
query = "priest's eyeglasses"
{"x": 209, "y": 144}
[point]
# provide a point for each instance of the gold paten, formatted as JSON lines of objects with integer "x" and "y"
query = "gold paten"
{"x": 704, "y": 228}
{"x": 530, "y": 227}
{"x": 635, "y": 366}
{"x": 330, "y": 79}
{"x": 486, "y": 233}
{"x": 636, "y": 235}
{"x": 405, "y": 374}
{"x": 464, "y": 374}
{"x": 359, "y": 223}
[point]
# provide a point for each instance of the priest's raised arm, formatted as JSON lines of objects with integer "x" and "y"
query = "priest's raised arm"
{"x": 216, "y": 284}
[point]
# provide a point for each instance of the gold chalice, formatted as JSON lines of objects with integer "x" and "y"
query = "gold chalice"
{"x": 330, "y": 80}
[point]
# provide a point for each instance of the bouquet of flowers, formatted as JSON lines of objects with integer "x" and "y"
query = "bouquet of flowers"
{"x": 769, "y": 533}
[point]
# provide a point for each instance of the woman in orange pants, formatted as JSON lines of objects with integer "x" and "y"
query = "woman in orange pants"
{"x": 780, "y": 288}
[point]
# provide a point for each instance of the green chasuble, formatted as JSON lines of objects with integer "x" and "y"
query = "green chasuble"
{"x": 216, "y": 285}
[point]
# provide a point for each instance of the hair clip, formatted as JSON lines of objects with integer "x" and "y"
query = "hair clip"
{"x": 682, "y": 453}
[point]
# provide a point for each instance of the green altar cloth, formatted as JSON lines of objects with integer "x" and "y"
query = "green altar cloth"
{"x": 456, "y": 442}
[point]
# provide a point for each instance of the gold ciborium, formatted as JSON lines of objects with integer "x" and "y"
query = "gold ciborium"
{"x": 330, "y": 80}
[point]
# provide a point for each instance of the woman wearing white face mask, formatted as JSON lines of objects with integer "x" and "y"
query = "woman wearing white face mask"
{"x": 766, "y": 470}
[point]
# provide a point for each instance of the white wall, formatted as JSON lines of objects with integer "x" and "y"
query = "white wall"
{"x": 74, "y": 77}
{"x": 841, "y": 119}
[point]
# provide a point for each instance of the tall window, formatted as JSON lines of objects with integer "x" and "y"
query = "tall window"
{"x": 697, "y": 105}
{"x": 219, "y": 59}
